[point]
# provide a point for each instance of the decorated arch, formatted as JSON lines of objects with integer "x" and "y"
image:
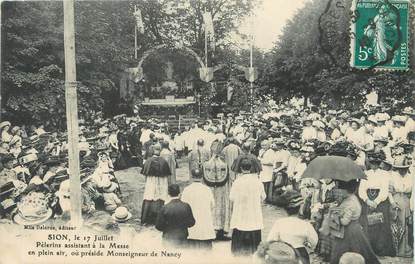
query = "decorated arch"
{"x": 138, "y": 72}
{"x": 187, "y": 50}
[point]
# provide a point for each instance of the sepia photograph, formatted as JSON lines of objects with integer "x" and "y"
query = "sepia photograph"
{"x": 207, "y": 131}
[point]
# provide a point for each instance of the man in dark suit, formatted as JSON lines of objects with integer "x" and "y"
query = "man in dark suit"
{"x": 174, "y": 219}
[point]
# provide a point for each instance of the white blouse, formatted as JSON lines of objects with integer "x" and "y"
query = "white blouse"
{"x": 309, "y": 133}
{"x": 267, "y": 160}
{"x": 293, "y": 231}
{"x": 399, "y": 133}
{"x": 376, "y": 179}
{"x": 402, "y": 184}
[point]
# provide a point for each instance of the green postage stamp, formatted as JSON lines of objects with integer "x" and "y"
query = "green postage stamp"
{"x": 380, "y": 34}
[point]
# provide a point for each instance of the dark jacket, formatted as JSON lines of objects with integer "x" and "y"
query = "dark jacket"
{"x": 173, "y": 220}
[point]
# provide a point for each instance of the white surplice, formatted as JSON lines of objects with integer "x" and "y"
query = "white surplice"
{"x": 200, "y": 198}
{"x": 247, "y": 194}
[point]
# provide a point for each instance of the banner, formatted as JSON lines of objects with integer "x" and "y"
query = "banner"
{"x": 251, "y": 74}
{"x": 139, "y": 21}
{"x": 208, "y": 28}
{"x": 229, "y": 92}
{"x": 206, "y": 74}
{"x": 135, "y": 74}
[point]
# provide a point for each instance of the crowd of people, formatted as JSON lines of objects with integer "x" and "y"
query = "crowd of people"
{"x": 244, "y": 160}
{"x": 236, "y": 163}
{"x": 34, "y": 181}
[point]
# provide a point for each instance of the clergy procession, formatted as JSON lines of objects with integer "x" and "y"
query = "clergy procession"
{"x": 343, "y": 178}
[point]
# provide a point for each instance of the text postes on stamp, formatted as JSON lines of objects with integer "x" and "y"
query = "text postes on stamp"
{"x": 381, "y": 30}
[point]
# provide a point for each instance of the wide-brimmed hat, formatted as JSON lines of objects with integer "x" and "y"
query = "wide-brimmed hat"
{"x": 53, "y": 161}
{"x": 120, "y": 116}
{"x": 382, "y": 117}
{"x": 34, "y": 139}
{"x": 307, "y": 118}
{"x": 121, "y": 214}
{"x": 355, "y": 120}
{"x": 372, "y": 119}
{"x": 277, "y": 252}
{"x": 278, "y": 141}
{"x": 408, "y": 111}
{"x": 15, "y": 129}
{"x": 290, "y": 199}
{"x": 307, "y": 149}
{"x": 109, "y": 186}
{"x": 28, "y": 158}
{"x": 8, "y": 204}
{"x": 344, "y": 115}
{"x": 377, "y": 156}
{"x": 381, "y": 139}
{"x": 402, "y": 162}
{"x": 4, "y": 124}
{"x": 352, "y": 258}
{"x": 33, "y": 209}
{"x": 293, "y": 145}
{"x": 399, "y": 119}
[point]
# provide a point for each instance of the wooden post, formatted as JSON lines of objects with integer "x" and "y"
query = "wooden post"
{"x": 251, "y": 62}
{"x": 135, "y": 36}
{"x": 206, "y": 43}
{"x": 1, "y": 46}
{"x": 72, "y": 112}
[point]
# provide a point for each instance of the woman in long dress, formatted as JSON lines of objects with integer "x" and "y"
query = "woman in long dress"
{"x": 400, "y": 190}
{"x": 375, "y": 217}
{"x": 349, "y": 235}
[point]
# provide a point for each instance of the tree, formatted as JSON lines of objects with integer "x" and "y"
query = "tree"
{"x": 182, "y": 20}
{"x": 33, "y": 60}
{"x": 311, "y": 59}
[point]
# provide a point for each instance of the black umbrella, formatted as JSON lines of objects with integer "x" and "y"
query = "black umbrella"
{"x": 333, "y": 167}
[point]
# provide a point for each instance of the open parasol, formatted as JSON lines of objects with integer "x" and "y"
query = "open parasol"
{"x": 333, "y": 167}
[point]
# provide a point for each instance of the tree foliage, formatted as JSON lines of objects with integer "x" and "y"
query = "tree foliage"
{"x": 311, "y": 59}
{"x": 33, "y": 48}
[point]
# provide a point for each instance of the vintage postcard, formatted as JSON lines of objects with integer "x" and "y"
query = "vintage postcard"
{"x": 207, "y": 131}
